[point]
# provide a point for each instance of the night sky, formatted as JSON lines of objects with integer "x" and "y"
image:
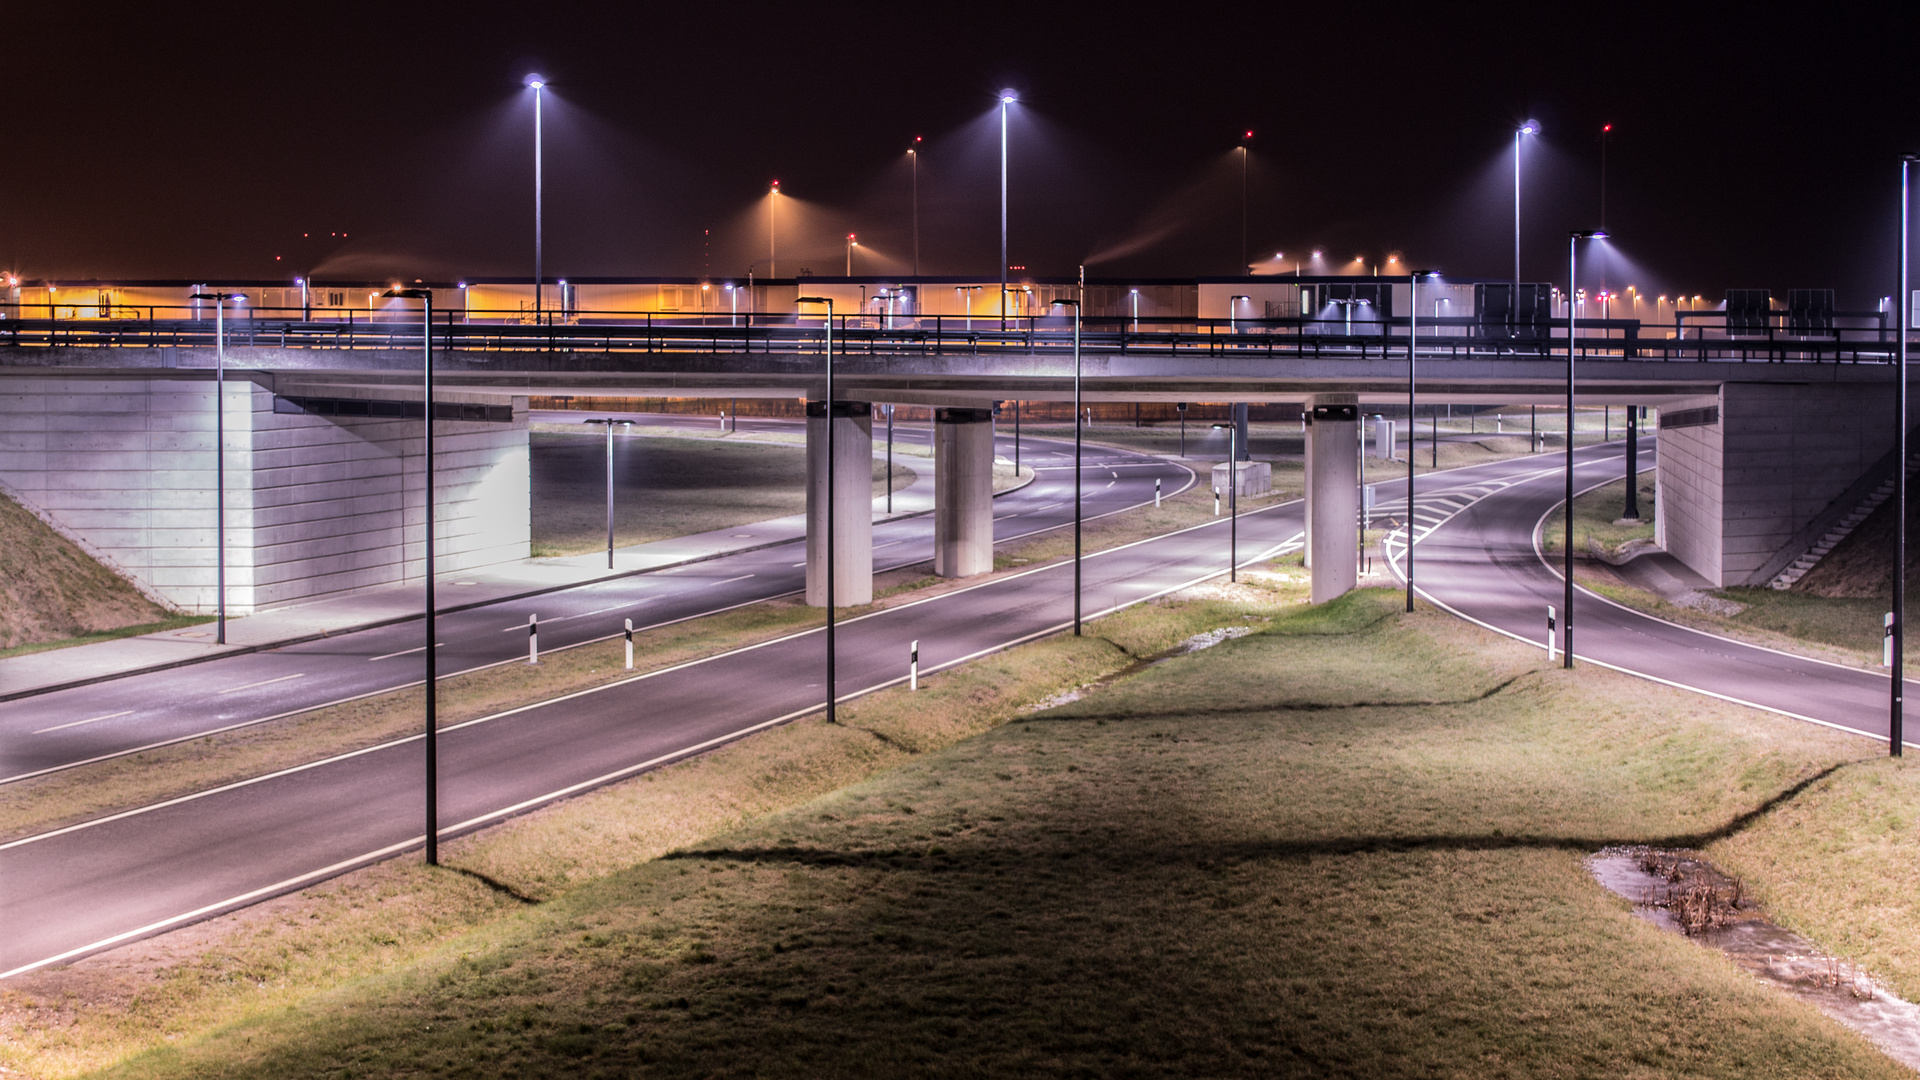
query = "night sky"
{"x": 1752, "y": 146}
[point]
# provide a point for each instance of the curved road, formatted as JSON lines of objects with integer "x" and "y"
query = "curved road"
{"x": 1474, "y": 555}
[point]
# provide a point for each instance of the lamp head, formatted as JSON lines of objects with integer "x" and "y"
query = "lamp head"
{"x": 535, "y": 82}
{"x": 1531, "y": 127}
{"x": 813, "y": 300}
{"x": 407, "y": 294}
{"x": 1588, "y": 234}
{"x": 1008, "y": 96}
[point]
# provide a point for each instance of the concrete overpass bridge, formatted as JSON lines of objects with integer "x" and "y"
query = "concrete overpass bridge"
{"x": 108, "y": 429}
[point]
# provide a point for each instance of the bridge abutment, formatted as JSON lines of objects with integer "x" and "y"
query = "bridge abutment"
{"x": 318, "y": 504}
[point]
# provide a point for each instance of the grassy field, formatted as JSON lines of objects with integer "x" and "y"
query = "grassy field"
{"x": 53, "y": 594}
{"x": 1350, "y": 843}
{"x": 664, "y": 487}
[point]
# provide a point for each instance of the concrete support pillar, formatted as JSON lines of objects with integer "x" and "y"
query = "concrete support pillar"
{"x": 1333, "y": 495}
{"x": 852, "y": 503}
{"x": 1241, "y": 450}
{"x": 962, "y": 492}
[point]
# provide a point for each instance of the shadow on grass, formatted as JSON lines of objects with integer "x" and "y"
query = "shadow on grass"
{"x": 943, "y": 859}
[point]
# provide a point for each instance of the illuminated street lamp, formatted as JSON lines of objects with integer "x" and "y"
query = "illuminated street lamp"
{"x": 1896, "y": 726}
{"x": 832, "y": 598}
{"x": 1573, "y": 277}
{"x": 851, "y": 244}
{"x": 1244, "y": 267}
{"x": 538, "y": 85}
{"x": 610, "y": 424}
{"x": 1413, "y": 320}
{"x": 1007, "y": 98}
{"x": 913, "y": 154}
{"x": 773, "y": 197}
{"x": 1531, "y": 127}
{"x": 219, "y": 455}
{"x": 425, "y": 296}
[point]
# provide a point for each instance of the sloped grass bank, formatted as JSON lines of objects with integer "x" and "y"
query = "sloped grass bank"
{"x": 1349, "y": 843}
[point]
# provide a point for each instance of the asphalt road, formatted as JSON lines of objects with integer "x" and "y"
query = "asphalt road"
{"x": 84, "y": 724}
{"x": 78, "y": 889}
{"x": 1479, "y": 561}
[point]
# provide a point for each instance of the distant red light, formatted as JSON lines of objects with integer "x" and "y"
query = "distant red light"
{"x": 1609, "y": 127}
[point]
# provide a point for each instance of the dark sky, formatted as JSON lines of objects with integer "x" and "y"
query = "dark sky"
{"x": 1752, "y": 146}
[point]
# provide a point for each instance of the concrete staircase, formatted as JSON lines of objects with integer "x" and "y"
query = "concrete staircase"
{"x": 1840, "y": 529}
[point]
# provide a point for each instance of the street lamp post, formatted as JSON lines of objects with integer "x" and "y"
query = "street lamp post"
{"x": 1531, "y": 127}
{"x": 610, "y": 423}
{"x": 773, "y": 250}
{"x": 538, "y": 85}
{"x": 425, "y": 296}
{"x": 1896, "y": 720}
{"x": 1566, "y": 603}
{"x": 220, "y": 457}
{"x": 1244, "y": 267}
{"x": 832, "y": 597}
{"x": 1007, "y": 98}
{"x": 851, "y": 244}
{"x": 1078, "y": 419}
{"x": 913, "y": 152}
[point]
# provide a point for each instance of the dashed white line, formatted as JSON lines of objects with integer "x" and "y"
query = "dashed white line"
{"x": 264, "y": 682}
{"x": 404, "y": 652}
{"x": 90, "y": 720}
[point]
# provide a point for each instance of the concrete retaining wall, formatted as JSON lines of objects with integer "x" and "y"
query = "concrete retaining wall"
{"x": 316, "y": 505}
{"x": 1733, "y": 491}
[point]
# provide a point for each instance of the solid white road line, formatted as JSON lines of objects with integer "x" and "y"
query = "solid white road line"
{"x": 407, "y": 652}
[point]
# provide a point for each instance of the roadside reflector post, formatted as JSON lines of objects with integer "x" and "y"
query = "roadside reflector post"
{"x": 913, "y": 665}
{"x": 629, "y": 644}
{"x": 1551, "y": 652}
{"x": 1156, "y": 493}
{"x": 1216, "y": 502}
{"x": 533, "y": 639}
{"x": 1886, "y": 643}
{"x": 723, "y": 419}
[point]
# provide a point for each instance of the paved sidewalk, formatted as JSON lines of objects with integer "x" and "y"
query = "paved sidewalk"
{"x": 43, "y": 671}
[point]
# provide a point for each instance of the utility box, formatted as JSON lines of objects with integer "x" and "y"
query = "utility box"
{"x": 1383, "y": 438}
{"x": 1255, "y": 478}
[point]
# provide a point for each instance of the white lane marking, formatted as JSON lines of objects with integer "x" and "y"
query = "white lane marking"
{"x": 724, "y": 581}
{"x": 1113, "y": 474}
{"x": 77, "y": 723}
{"x": 1110, "y": 483}
{"x": 263, "y": 682}
{"x": 405, "y": 652}
{"x": 596, "y": 611}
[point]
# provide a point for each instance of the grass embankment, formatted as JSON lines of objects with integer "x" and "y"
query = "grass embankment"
{"x": 53, "y": 594}
{"x": 1844, "y": 629}
{"x": 1348, "y": 844}
{"x": 663, "y": 488}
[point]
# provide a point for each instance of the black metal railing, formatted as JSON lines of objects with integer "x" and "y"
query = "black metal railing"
{"x": 876, "y": 334}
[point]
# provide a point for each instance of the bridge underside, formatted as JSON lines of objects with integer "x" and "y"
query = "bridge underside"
{"x": 109, "y": 444}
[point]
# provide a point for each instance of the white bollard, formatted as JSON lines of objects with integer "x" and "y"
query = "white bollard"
{"x": 1156, "y": 493}
{"x": 723, "y": 419}
{"x": 1216, "y": 502}
{"x": 1551, "y": 653}
{"x": 913, "y": 665}
{"x": 1886, "y": 643}
{"x": 533, "y": 639}
{"x": 629, "y": 644}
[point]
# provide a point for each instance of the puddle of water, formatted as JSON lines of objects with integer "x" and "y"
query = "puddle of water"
{"x": 1674, "y": 888}
{"x": 1192, "y": 645}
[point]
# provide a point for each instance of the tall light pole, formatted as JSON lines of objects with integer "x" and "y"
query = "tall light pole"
{"x": 1007, "y": 98}
{"x": 832, "y": 597}
{"x": 425, "y": 296}
{"x": 1531, "y": 127}
{"x": 913, "y": 154}
{"x": 1573, "y": 278}
{"x": 610, "y": 423}
{"x": 220, "y": 457}
{"x": 1078, "y": 421}
{"x": 851, "y": 244}
{"x": 1244, "y": 268}
{"x": 772, "y": 248}
{"x": 538, "y": 86}
{"x": 1896, "y": 721}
